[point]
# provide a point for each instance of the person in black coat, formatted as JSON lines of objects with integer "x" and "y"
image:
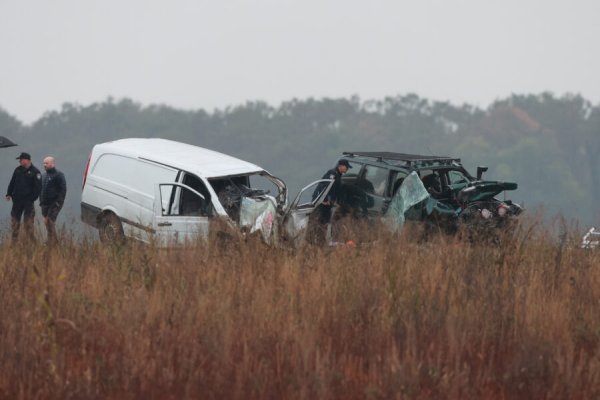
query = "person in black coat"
{"x": 323, "y": 212}
{"x": 24, "y": 188}
{"x": 54, "y": 191}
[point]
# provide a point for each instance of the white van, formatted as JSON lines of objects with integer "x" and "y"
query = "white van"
{"x": 157, "y": 189}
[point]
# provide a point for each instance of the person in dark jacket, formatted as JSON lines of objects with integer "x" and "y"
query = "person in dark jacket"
{"x": 54, "y": 191}
{"x": 24, "y": 188}
{"x": 319, "y": 231}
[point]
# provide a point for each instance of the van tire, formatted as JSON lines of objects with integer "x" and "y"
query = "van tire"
{"x": 110, "y": 229}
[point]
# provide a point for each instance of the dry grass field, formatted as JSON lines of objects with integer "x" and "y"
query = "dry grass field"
{"x": 396, "y": 319}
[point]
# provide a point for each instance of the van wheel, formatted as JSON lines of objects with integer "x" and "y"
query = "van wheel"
{"x": 111, "y": 230}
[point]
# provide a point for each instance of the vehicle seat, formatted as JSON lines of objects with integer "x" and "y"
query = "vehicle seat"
{"x": 432, "y": 184}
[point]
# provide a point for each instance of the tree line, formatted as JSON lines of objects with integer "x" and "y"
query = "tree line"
{"x": 549, "y": 144}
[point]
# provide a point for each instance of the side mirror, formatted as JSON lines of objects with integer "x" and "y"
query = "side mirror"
{"x": 480, "y": 171}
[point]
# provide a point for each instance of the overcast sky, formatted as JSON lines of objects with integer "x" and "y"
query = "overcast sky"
{"x": 210, "y": 54}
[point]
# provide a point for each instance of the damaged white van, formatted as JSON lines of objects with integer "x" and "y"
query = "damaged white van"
{"x": 170, "y": 192}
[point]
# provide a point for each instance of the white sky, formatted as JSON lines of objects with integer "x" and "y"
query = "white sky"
{"x": 207, "y": 54}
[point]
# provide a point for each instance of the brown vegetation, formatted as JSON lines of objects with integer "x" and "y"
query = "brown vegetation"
{"x": 394, "y": 319}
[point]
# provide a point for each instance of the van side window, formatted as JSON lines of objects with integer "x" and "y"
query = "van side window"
{"x": 191, "y": 204}
{"x": 196, "y": 183}
{"x": 182, "y": 202}
{"x": 189, "y": 199}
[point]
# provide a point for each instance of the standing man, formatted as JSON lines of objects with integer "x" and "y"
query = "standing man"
{"x": 24, "y": 188}
{"x": 54, "y": 191}
{"x": 324, "y": 210}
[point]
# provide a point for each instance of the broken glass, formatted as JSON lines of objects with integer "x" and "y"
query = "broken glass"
{"x": 411, "y": 192}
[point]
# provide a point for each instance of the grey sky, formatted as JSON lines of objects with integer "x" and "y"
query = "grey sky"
{"x": 207, "y": 54}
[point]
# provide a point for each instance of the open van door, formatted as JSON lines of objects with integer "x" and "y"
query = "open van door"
{"x": 296, "y": 217}
{"x": 181, "y": 214}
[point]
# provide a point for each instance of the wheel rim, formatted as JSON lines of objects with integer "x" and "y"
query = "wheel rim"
{"x": 111, "y": 231}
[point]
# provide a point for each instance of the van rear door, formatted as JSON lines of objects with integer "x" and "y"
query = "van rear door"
{"x": 181, "y": 214}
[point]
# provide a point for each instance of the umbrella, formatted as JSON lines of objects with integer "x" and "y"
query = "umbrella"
{"x": 4, "y": 142}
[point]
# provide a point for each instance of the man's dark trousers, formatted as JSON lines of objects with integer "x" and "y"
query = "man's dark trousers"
{"x": 51, "y": 212}
{"x": 25, "y": 209}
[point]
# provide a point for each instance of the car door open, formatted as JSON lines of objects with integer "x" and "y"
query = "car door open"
{"x": 310, "y": 197}
{"x": 181, "y": 214}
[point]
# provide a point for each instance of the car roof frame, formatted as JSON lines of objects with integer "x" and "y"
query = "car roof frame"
{"x": 384, "y": 156}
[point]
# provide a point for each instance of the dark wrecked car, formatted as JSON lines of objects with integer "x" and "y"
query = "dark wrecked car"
{"x": 435, "y": 190}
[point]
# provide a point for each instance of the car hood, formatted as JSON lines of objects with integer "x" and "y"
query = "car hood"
{"x": 484, "y": 190}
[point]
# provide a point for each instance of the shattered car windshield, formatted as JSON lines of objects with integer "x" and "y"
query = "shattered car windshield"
{"x": 231, "y": 190}
{"x": 251, "y": 200}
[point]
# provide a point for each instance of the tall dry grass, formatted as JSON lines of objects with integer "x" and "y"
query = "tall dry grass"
{"x": 399, "y": 318}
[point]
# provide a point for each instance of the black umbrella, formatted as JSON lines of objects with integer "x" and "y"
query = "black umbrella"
{"x": 4, "y": 142}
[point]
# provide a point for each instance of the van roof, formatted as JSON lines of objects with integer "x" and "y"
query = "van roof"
{"x": 198, "y": 160}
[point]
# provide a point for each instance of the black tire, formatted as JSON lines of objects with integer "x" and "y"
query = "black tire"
{"x": 110, "y": 230}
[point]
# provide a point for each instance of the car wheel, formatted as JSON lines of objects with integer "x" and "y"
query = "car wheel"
{"x": 111, "y": 229}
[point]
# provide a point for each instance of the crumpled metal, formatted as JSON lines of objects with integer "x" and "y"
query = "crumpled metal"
{"x": 258, "y": 215}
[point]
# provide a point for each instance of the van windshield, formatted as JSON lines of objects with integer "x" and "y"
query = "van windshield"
{"x": 260, "y": 186}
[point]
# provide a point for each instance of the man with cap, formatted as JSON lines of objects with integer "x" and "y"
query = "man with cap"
{"x": 24, "y": 188}
{"x": 324, "y": 210}
{"x": 54, "y": 191}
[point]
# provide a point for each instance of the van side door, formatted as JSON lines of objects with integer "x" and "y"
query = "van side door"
{"x": 181, "y": 214}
